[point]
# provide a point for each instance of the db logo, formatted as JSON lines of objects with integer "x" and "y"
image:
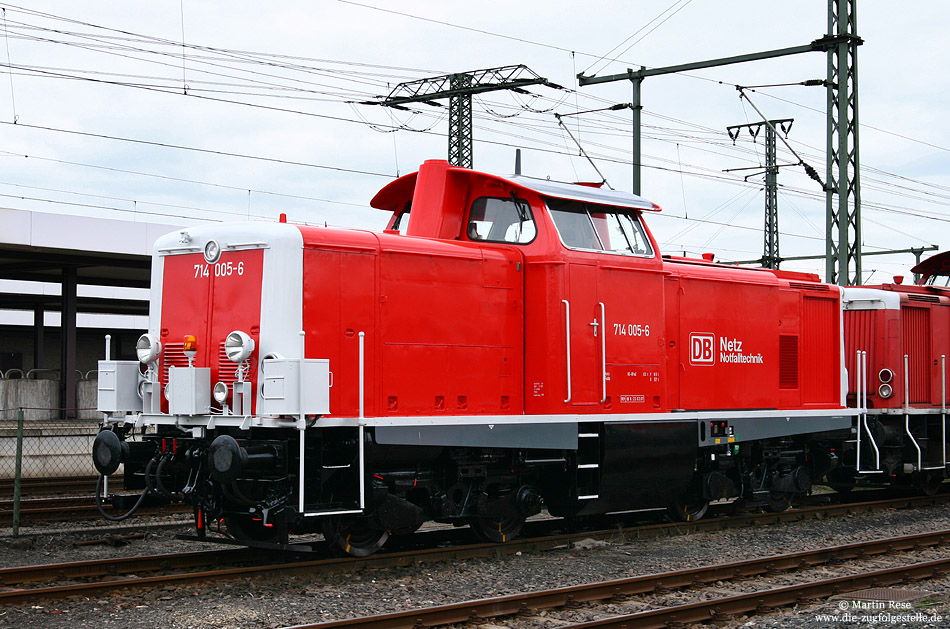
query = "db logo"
{"x": 701, "y": 349}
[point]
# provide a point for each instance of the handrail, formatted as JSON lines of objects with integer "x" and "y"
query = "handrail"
{"x": 603, "y": 352}
{"x": 858, "y": 382}
{"x": 567, "y": 341}
{"x": 943, "y": 406}
{"x": 54, "y": 372}
{"x": 862, "y": 391}
{"x": 913, "y": 441}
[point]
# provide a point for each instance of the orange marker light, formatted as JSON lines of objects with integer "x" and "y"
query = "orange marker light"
{"x": 191, "y": 343}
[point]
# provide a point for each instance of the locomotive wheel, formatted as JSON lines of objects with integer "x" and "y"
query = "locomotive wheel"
{"x": 778, "y": 501}
{"x": 497, "y": 530}
{"x": 354, "y": 540}
{"x": 930, "y": 484}
{"x": 242, "y": 527}
{"x": 687, "y": 509}
{"x": 841, "y": 481}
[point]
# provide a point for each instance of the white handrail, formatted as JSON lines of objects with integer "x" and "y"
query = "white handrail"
{"x": 567, "y": 341}
{"x": 301, "y": 423}
{"x": 360, "y": 435}
{"x": 603, "y": 352}
{"x": 862, "y": 389}
{"x": 907, "y": 413}
{"x": 858, "y": 378}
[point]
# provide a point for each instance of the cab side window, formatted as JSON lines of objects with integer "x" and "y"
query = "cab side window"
{"x": 501, "y": 220}
{"x": 402, "y": 219}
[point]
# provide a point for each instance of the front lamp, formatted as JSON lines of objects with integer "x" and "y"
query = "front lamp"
{"x": 220, "y": 392}
{"x": 148, "y": 348}
{"x": 238, "y": 346}
{"x": 212, "y": 251}
{"x": 885, "y": 391}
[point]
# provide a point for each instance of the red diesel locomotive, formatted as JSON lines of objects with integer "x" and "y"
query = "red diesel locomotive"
{"x": 897, "y": 338}
{"x": 505, "y": 345}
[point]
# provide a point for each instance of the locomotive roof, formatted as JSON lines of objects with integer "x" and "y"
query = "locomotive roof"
{"x": 938, "y": 264}
{"x": 394, "y": 195}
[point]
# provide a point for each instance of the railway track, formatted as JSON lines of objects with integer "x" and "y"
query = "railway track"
{"x": 723, "y": 607}
{"x": 55, "y": 485}
{"x": 69, "y": 508}
{"x": 122, "y": 574}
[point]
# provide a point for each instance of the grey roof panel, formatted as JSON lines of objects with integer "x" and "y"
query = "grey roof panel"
{"x": 587, "y": 194}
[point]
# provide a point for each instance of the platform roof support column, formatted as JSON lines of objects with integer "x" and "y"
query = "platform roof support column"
{"x": 68, "y": 328}
{"x": 38, "y": 334}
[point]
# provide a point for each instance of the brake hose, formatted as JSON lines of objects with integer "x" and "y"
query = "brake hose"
{"x": 138, "y": 503}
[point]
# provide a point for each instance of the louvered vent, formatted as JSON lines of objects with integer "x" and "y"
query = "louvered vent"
{"x": 173, "y": 355}
{"x": 788, "y": 362}
{"x": 915, "y": 343}
{"x": 933, "y": 299}
{"x": 819, "y": 343}
{"x": 804, "y": 286}
{"x": 859, "y": 335}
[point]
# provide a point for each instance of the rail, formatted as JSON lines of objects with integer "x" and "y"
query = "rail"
{"x": 478, "y": 611}
{"x": 439, "y": 548}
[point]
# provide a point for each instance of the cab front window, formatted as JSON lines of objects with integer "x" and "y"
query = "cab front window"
{"x": 599, "y": 227}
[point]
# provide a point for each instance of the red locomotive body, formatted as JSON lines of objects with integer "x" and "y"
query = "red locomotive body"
{"x": 897, "y": 339}
{"x": 506, "y": 344}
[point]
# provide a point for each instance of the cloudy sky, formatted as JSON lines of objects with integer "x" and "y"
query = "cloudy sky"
{"x": 182, "y": 111}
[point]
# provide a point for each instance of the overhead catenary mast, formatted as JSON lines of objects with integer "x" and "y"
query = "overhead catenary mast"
{"x": 459, "y": 88}
{"x": 843, "y": 244}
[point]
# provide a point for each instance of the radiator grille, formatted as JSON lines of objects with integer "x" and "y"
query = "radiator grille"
{"x": 788, "y": 362}
{"x": 858, "y": 334}
{"x": 915, "y": 343}
{"x": 804, "y": 286}
{"x": 173, "y": 355}
{"x": 819, "y": 341}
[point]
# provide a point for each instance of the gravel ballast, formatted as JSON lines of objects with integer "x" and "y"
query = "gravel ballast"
{"x": 288, "y": 600}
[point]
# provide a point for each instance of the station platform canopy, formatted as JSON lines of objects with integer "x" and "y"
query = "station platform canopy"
{"x": 39, "y": 249}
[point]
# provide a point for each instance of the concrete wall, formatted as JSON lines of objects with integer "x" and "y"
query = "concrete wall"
{"x": 87, "y": 397}
{"x": 40, "y": 399}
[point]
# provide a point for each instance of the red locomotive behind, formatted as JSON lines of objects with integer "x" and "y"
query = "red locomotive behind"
{"x": 898, "y": 339}
{"x": 505, "y": 345}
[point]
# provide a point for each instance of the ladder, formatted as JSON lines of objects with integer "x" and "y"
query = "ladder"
{"x": 588, "y": 471}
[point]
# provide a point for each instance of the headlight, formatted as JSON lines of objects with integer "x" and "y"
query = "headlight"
{"x": 220, "y": 392}
{"x": 885, "y": 375}
{"x": 148, "y": 348}
{"x": 238, "y": 346}
{"x": 212, "y": 251}
{"x": 885, "y": 391}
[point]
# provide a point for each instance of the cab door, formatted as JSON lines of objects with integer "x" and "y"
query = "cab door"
{"x": 631, "y": 291}
{"x": 585, "y": 331}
